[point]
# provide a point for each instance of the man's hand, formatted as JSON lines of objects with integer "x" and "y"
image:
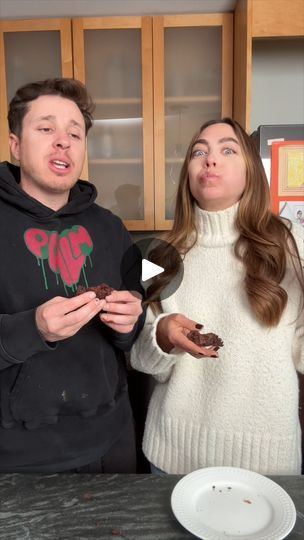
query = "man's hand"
{"x": 172, "y": 332}
{"x": 61, "y": 318}
{"x": 121, "y": 311}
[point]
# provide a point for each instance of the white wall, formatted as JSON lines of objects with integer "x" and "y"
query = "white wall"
{"x": 278, "y": 82}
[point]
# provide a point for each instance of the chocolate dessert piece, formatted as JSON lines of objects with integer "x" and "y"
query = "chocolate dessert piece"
{"x": 205, "y": 340}
{"x": 101, "y": 290}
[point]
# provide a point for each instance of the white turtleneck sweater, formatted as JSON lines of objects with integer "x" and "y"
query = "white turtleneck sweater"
{"x": 240, "y": 409}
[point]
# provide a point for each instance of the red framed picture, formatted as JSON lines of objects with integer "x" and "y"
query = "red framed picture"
{"x": 287, "y": 176}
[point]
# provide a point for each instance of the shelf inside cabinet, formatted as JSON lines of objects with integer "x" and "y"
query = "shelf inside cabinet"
{"x": 117, "y": 161}
{"x": 168, "y": 99}
{"x": 193, "y": 99}
{"x": 208, "y": 106}
{"x": 175, "y": 160}
{"x": 117, "y": 101}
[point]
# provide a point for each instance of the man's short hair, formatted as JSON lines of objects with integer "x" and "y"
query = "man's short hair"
{"x": 64, "y": 87}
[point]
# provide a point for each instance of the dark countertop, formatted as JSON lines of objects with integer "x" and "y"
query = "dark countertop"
{"x": 81, "y": 507}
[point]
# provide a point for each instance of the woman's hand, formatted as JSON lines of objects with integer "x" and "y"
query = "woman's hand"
{"x": 172, "y": 332}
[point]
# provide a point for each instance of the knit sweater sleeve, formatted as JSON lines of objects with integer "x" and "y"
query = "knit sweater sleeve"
{"x": 147, "y": 356}
{"x": 298, "y": 344}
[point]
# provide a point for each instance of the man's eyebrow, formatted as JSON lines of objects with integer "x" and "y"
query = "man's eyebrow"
{"x": 77, "y": 124}
{"x": 44, "y": 117}
{"x": 52, "y": 117}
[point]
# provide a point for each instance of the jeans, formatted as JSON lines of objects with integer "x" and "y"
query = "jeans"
{"x": 120, "y": 458}
{"x": 156, "y": 470}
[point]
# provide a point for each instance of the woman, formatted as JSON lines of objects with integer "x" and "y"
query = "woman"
{"x": 243, "y": 280}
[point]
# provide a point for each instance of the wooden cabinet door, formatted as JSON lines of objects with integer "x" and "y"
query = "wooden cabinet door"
{"x": 113, "y": 57}
{"x": 192, "y": 73}
{"x": 30, "y": 50}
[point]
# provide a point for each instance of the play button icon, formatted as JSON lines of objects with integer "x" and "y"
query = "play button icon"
{"x": 150, "y": 270}
{"x": 154, "y": 264}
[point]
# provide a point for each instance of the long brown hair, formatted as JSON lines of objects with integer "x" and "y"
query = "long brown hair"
{"x": 264, "y": 243}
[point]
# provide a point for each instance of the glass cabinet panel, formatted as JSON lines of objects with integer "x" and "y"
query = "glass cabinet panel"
{"x": 30, "y": 50}
{"x": 193, "y": 88}
{"x": 31, "y": 56}
{"x": 113, "y": 76}
{"x": 192, "y": 57}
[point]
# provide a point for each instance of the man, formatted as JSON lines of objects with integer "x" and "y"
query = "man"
{"x": 64, "y": 398}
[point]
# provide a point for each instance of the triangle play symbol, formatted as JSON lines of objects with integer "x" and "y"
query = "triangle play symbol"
{"x": 149, "y": 270}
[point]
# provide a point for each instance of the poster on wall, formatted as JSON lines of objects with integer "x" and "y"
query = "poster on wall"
{"x": 265, "y": 135}
{"x": 287, "y": 179}
{"x": 292, "y": 210}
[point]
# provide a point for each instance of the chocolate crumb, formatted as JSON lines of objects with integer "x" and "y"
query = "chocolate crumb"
{"x": 205, "y": 340}
{"x": 101, "y": 290}
{"x": 247, "y": 501}
{"x": 117, "y": 532}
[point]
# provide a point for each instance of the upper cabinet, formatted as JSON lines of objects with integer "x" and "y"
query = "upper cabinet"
{"x": 29, "y": 51}
{"x": 154, "y": 82}
{"x": 113, "y": 57}
{"x": 268, "y": 62}
{"x": 192, "y": 74}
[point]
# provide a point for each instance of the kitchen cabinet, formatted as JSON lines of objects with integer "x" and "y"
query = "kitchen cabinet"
{"x": 272, "y": 30}
{"x": 192, "y": 74}
{"x": 113, "y": 57}
{"x": 30, "y": 50}
{"x": 154, "y": 80}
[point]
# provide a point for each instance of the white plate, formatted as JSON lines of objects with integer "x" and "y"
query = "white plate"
{"x": 221, "y": 503}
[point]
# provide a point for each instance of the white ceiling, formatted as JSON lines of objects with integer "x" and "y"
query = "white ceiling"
{"x": 26, "y": 9}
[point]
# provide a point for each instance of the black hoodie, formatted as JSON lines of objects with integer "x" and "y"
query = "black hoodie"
{"x": 64, "y": 404}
